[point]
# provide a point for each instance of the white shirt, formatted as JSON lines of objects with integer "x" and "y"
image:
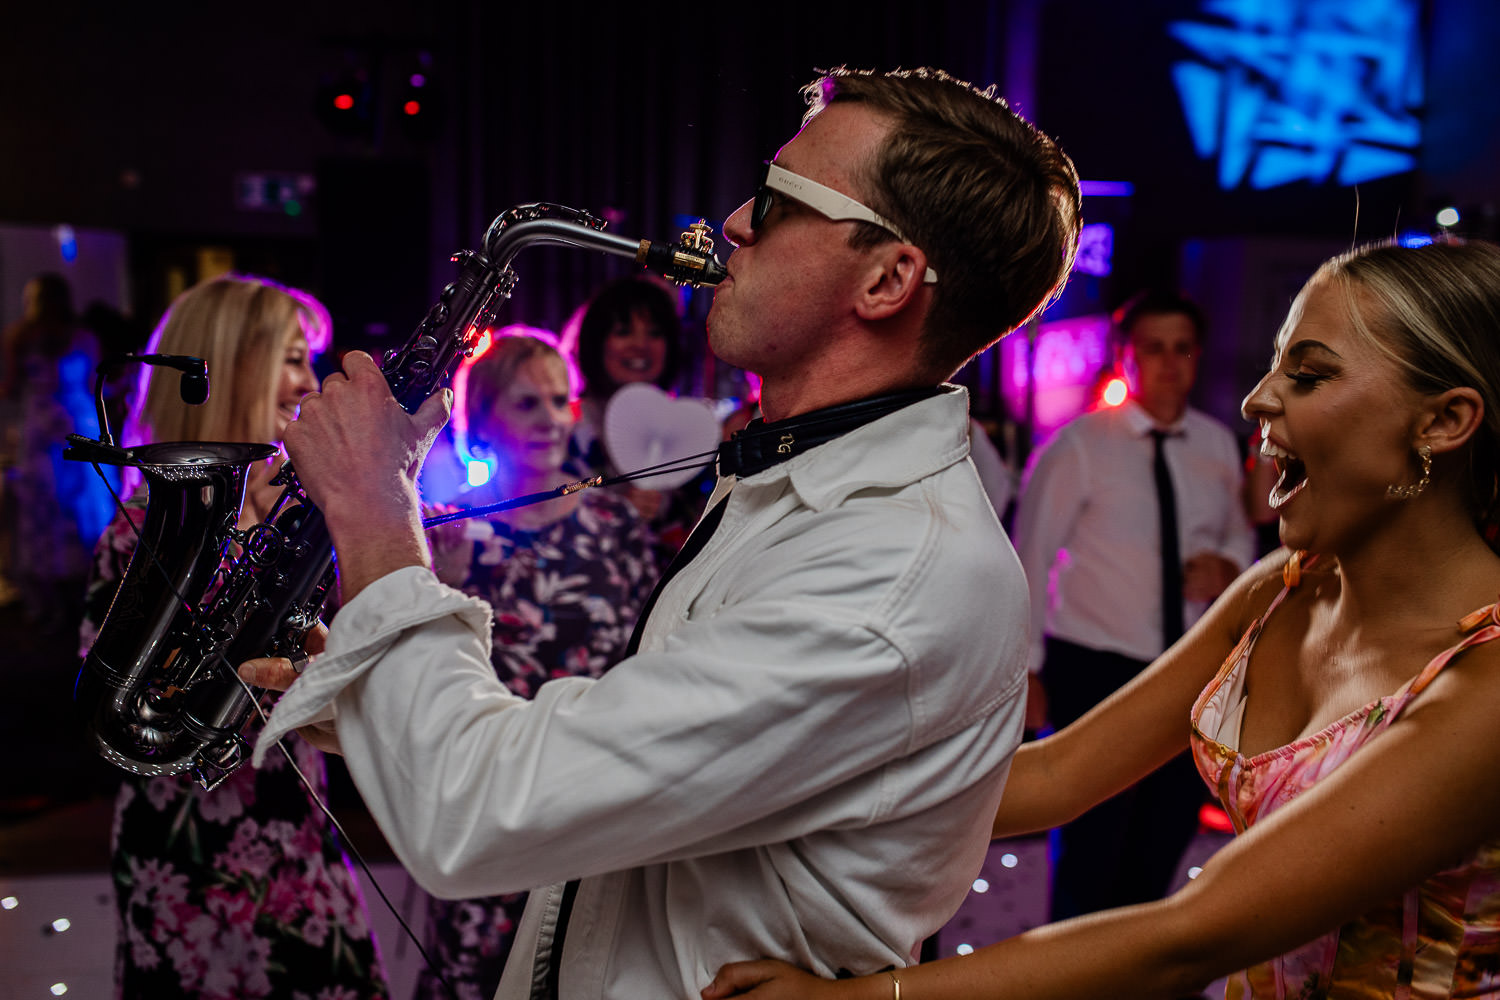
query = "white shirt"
{"x": 995, "y": 474}
{"x": 1087, "y": 530}
{"x": 803, "y": 761}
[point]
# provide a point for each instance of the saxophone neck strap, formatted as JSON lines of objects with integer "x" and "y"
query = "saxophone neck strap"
{"x": 761, "y": 445}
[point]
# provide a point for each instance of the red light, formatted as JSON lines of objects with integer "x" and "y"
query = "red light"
{"x": 1115, "y": 392}
{"x": 344, "y": 102}
{"x": 1211, "y": 817}
{"x": 412, "y": 107}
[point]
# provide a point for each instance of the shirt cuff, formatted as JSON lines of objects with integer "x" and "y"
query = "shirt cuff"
{"x": 362, "y": 632}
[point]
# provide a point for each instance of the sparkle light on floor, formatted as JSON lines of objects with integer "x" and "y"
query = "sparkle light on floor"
{"x": 57, "y": 932}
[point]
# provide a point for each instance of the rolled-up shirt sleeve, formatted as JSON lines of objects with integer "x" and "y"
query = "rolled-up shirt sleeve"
{"x": 481, "y": 792}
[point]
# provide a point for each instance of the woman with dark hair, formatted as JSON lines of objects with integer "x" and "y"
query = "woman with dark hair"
{"x": 630, "y": 333}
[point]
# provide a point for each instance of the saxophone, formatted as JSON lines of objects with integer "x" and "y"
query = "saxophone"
{"x": 158, "y": 689}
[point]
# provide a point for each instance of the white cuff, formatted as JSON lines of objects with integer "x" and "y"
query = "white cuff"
{"x": 362, "y": 632}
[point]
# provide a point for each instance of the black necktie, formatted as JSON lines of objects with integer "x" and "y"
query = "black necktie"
{"x": 1171, "y": 555}
{"x": 685, "y": 555}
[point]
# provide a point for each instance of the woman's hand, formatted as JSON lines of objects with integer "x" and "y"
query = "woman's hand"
{"x": 647, "y": 503}
{"x": 1206, "y": 575}
{"x": 450, "y": 545}
{"x": 770, "y": 979}
{"x": 277, "y": 673}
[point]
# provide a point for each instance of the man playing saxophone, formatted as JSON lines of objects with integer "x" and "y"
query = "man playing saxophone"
{"x": 804, "y": 754}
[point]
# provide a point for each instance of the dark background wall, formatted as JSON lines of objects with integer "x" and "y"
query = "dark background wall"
{"x": 144, "y": 119}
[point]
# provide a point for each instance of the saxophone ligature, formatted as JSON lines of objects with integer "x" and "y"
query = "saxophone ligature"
{"x": 158, "y": 688}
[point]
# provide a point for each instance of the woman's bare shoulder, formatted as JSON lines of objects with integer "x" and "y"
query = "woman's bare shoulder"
{"x": 1251, "y": 594}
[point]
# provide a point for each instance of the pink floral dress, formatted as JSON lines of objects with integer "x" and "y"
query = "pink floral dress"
{"x": 235, "y": 894}
{"x": 1440, "y": 939}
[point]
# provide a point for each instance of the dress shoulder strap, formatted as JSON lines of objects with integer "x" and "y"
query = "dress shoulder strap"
{"x": 1478, "y": 627}
{"x": 1291, "y": 576}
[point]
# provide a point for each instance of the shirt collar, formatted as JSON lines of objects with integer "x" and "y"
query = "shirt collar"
{"x": 1142, "y": 423}
{"x": 891, "y": 452}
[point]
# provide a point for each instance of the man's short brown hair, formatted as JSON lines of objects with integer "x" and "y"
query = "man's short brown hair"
{"x": 992, "y": 201}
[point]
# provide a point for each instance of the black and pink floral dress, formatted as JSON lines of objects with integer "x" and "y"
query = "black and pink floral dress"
{"x": 565, "y": 599}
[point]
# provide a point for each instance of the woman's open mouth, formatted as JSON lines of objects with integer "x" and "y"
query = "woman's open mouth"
{"x": 1293, "y": 474}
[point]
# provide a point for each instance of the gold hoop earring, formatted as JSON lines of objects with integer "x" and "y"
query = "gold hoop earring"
{"x": 1417, "y": 488}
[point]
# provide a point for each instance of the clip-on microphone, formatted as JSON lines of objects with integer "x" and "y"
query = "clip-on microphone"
{"x": 193, "y": 388}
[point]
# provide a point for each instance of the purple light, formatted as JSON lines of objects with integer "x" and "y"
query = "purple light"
{"x": 1069, "y": 354}
{"x": 418, "y": 80}
{"x": 1106, "y": 189}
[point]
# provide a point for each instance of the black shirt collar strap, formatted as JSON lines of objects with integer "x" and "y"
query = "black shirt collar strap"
{"x": 761, "y": 445}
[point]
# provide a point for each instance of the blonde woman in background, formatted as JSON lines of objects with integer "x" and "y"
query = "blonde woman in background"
{"x": 243, "y": 891}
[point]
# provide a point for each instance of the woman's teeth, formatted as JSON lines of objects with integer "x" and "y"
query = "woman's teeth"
{"x": 1293, "y": 474}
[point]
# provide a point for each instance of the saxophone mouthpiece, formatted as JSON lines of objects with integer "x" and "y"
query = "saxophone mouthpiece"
{"x": 690, "y": 261}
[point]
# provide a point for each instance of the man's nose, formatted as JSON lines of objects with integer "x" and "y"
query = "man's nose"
{"x": 737, "y": 227}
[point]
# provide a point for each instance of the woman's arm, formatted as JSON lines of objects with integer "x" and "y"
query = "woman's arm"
{"x": 1374, "y": 828}
{"x": 1138, "y": 728}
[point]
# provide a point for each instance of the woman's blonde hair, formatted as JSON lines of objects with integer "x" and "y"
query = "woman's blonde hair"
{"x": 1434, "y": 311}
{"x": 240, "y": 325}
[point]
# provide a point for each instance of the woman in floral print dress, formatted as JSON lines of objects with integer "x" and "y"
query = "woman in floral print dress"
{"x": 242, "y": 892}
{"x": 565, "y": 578}
{"x": 1341, "y": 698}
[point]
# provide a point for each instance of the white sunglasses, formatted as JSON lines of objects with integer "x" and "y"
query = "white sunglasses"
{"x": 824, "y": 200}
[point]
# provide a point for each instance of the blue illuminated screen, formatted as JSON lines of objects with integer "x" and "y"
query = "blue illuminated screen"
{"x": 1323, "y": 91}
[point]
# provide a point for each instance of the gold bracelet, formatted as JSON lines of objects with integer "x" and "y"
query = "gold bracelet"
{"x": 895, "y": 984}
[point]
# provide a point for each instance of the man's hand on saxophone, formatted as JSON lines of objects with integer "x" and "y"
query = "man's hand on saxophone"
{"x": 357, "y": 453}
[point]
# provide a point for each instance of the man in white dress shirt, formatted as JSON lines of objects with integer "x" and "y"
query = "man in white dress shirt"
{"x": 1089, "y": 531}
{"x": 804, "y": 757}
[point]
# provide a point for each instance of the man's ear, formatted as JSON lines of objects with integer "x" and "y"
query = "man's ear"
{"x": 895, "y": 279}
{"x": 1450, "y": 419}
